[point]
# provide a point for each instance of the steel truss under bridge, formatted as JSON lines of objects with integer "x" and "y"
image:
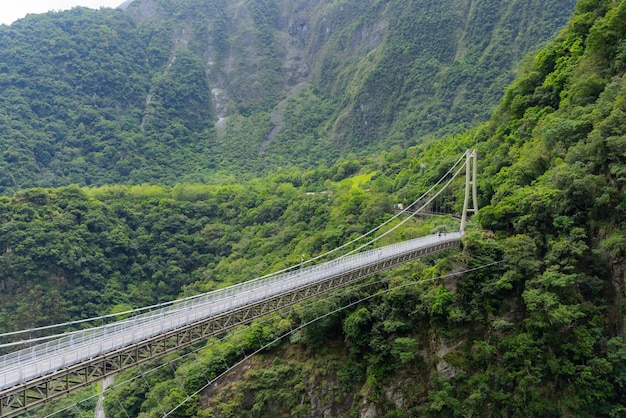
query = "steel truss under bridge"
{"x": 34, "y": 376}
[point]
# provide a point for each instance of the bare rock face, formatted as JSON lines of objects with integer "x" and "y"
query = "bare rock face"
{"x": 446, "y": 369}
{"x": 368, "y": 410}
{"x": 394, "y": 393}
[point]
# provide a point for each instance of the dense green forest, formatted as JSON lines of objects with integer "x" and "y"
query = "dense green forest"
{"x": 177, "y": 91}
{"x": 540, "y": 332}
{"x": 76, "y": 253}
{"x": 544, "y": 336}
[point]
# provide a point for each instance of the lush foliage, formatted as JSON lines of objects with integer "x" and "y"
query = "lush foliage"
{"x": 82, "y": 101}
{"x": 72, "y": 253}
{"x": 538, "y": 330}
{"x": 543, "y": 335}
{"x": 194, "y": 91}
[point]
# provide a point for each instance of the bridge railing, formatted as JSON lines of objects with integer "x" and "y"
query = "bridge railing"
{"x": 89, "y": 343}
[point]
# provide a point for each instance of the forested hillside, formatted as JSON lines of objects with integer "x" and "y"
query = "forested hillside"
{"x": 534, "y": 327}
{"x": 72, "y": 253}
{"x": 541, "y": 336}
{"x": 194, "y": 91}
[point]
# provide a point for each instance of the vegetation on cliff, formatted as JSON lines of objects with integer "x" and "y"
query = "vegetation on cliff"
{"x": 544, "y": 336}
{"x": 179, "y": 91}
{"x": 538, "y": 333}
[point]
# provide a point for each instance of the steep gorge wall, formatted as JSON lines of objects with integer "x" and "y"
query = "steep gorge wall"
{"x": 396, "y": 70}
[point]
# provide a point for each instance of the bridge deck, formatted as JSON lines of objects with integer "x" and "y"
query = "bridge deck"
{"x": 37, "y": 374}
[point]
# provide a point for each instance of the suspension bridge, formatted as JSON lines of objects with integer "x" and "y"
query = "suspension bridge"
{"x": 35, "y": 375}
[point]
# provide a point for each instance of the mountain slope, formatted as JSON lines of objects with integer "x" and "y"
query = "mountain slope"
{"x": 536, "y": 329}
{"x": 542, "y": 335}
{"x": 171, "y": 91}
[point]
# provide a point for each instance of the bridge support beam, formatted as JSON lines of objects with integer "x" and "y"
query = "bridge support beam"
{"x": 21, "y": 398}
{"x": 471, "y": 170}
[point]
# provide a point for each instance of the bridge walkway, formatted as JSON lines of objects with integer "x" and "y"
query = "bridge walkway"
{"x": 32, "y": 376}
